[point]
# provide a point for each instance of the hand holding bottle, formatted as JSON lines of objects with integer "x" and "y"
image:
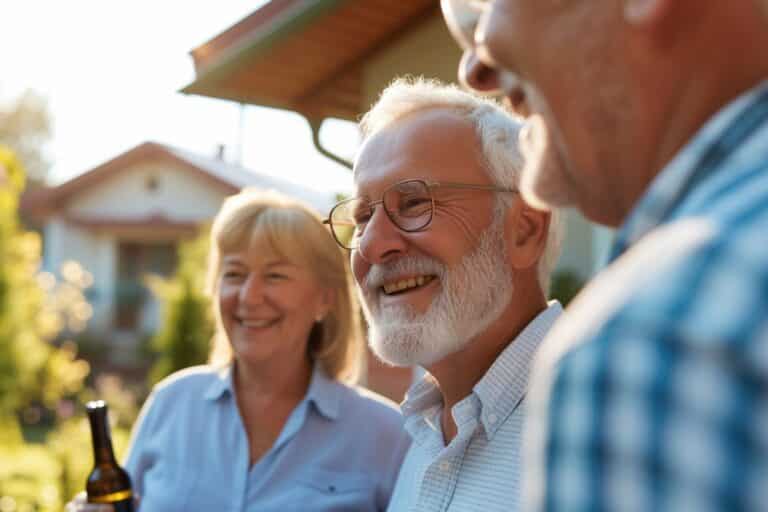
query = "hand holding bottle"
{"x": 80, "y": 504}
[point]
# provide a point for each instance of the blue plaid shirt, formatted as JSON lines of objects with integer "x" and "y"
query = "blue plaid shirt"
{"x": 651, "y": 392}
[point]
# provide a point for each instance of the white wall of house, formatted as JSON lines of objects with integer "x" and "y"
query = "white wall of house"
{"x": 54, "y": 235}
{"x": 179, "y": 196}
{"x": 425, "y": 49}
{"x": 95, "y": 253}
{"x": 104, "y": 270}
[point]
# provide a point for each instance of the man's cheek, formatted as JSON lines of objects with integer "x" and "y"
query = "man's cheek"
{"x": 359, "y": 269}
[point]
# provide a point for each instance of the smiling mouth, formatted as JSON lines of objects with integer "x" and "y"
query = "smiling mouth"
{"x": 256, "y": 324}
{"x": 406, "y": 285}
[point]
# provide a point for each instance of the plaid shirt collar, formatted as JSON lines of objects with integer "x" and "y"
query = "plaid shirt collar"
{"x": 698, "y": 160}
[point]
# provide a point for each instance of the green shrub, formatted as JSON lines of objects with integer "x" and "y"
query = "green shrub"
{"x": 566, "y": 284}
{"x": 31, "y": 368}
{"x": 184, "y": 336}
{"x": 30, "y": 474}
{"x": 36, "y": 374}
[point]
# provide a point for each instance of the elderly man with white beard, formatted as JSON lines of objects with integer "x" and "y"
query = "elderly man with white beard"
{"x": 452, "y": 267}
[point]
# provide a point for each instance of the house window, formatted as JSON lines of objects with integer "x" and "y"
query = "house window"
{"x": 152, "y": 183}
{"x": 135, "y": 261}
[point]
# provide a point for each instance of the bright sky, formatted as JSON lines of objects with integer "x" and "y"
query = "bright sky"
{"x": 111, "y": 71}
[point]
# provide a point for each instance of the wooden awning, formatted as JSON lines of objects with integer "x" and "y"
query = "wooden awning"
{"x": 303, "y": 55}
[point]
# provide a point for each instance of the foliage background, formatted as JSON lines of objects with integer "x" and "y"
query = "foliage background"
{"x": 45, "y": 451}
{"x": 187, "y": 324}
{"x": 25, "y": 129}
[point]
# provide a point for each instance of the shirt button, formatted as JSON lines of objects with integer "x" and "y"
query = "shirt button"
{"x": 445, "y": 465}
{"x": 493, "y": 418}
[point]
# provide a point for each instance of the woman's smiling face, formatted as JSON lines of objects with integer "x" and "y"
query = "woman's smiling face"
{"x": 268, "y": 306}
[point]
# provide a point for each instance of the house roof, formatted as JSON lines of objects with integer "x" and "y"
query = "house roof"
{"x": 154, "y": 226}
{"x": 225, "y": 176}
{"x": 303, "y": 55}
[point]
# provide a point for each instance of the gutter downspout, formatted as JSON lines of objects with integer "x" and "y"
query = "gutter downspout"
{"x": 315, "y": 124}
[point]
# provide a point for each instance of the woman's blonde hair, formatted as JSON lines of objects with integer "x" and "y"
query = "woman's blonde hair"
{"x": 292, "y": 231}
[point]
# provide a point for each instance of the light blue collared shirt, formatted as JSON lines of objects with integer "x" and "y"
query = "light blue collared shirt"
{"x": 480, "y": 467}
{"x": 340, "y": 449}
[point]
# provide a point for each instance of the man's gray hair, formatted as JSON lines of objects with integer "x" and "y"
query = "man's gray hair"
{"x": 496, "y": 129}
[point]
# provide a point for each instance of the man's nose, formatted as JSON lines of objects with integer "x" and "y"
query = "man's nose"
{"x": 475, "y": 74}
{"x": 481, "y": 77}
{"x": 381, "y": 240}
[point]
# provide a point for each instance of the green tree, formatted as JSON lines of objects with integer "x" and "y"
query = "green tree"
{"x": 187, "y": 327}
{"x": 25, "y": 127}
{"x": 566, "y": 284}
{"x": 31, "y": 368}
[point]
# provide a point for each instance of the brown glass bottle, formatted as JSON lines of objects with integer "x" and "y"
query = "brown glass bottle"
{"x": 108, "y": 482}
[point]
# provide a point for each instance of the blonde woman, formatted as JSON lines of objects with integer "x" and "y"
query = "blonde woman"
{"x": 273, "y": 423}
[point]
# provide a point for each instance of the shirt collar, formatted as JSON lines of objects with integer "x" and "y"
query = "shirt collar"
{"x": 499, "y": 391}
{"x": 423, "y": 401}
{"x": 677, "y": 178}
{"x": 222, "y": 383}
{"x": 323, "y": 391}
{"x": 504, "y": 384}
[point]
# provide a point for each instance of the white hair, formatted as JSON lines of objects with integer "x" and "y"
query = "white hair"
{"x": 497, "y": 130}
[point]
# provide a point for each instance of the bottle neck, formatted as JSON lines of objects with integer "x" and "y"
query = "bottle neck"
{"x": 102, "y": 442}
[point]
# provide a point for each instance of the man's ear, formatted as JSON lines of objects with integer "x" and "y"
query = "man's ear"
{"x": 526, "y": 231}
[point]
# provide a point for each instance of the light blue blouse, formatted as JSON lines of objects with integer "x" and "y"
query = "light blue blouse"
{"x": 340, "y": 449}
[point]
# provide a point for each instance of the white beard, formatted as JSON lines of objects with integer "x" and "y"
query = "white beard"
{"x": 473, "y": 294}
{"x": 544, "y": 182}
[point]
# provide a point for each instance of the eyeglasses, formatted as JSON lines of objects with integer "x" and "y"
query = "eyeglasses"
{"x": 462, "y": 17}
{"x": 409, "y": 204}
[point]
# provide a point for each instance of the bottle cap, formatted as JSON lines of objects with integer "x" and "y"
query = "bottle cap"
{"x": 95, "y": 404}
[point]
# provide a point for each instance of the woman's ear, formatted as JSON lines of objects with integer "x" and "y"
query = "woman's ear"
{"x": 327, "y": 301}
{"x": 526, "y": 231}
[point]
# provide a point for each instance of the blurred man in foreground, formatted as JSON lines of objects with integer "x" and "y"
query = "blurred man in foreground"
{"x": 651, "y": 116}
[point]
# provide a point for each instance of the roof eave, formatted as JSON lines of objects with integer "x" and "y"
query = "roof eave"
{"x": 290, "y": 21}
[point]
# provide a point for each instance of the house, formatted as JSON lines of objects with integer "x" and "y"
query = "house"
{"x": 126, "y": 217}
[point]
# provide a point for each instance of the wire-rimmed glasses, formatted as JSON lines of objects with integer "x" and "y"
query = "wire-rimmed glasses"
{"x": 409, "y": 204}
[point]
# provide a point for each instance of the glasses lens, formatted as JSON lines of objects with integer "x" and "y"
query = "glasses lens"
{"x": 346, "y": 221}
{"x": 462, "y": 17}
{"x": 409, "y": 204}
